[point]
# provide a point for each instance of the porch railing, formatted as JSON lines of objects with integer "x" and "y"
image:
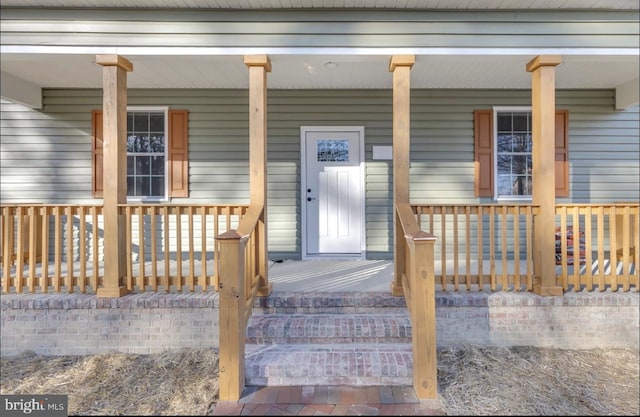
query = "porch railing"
{"x": 490, "y": 247}
{"x": 418, "y": 284}
{"x": 59, "y": 248}
{"x": 479, "y": 247}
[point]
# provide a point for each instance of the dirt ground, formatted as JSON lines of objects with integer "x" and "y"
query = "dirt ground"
{"x": 471, "y": 381}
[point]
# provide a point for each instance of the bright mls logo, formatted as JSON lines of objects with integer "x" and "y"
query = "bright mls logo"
{"x": 34, "y": 405}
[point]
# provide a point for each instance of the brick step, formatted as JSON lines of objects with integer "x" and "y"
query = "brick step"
{"x": 285, "y": 302}
{"x": 356, "y": 364}
{"x": 329, "y": 328}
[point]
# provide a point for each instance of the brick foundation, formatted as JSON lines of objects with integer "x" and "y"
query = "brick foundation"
{"x": 77, "y": 324}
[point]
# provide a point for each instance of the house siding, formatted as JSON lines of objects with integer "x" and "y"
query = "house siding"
{"x": 46, "y": 155}
{"x": 320, "y": 28}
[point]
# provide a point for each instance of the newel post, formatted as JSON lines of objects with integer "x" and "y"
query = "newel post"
{"x": 400, "y": 66}
{"x": 114, "y": 107}
{"x": 423, "y": 315}
{"x": 543, "y": 104}
{"x": 232, "y": 317}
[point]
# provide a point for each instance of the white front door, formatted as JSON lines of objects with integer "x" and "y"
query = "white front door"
{"x": 332, "y": 192}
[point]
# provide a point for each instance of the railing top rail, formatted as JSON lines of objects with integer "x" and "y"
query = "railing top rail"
{"x": 409, "y": 223}
{"x": 246, "y": 225}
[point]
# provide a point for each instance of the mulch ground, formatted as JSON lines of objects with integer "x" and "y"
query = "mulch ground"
{"x": 472, "y": 380}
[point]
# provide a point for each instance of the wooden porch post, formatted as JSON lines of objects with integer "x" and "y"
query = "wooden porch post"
{"x": 259, "y": 65}
{"x": 114, "y": 103}
{"x": 543, "y": 102}
{"x": 400, "y": 66}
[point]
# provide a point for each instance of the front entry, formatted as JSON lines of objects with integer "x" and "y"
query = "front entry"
{"x": 332, "y": 192}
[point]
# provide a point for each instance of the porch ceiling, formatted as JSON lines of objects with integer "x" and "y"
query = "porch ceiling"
{"x": 311, "y": 71}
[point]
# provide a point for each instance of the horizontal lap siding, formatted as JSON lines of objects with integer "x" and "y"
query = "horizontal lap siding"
{"x": 321, "y": 28}
{"x": 46, "y": 156}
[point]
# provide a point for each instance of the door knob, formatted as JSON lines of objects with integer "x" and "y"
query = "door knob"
{"x": 310, "y": 198}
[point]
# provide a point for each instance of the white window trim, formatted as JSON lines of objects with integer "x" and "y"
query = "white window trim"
{"x": 164, "y": 109}
{"x": 496, "y": 110}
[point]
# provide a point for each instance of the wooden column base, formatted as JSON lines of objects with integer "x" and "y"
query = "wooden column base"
{"x": 548, "y": 291}
{"x": 397, "y": 290}
{"x": 265, "y": 291}
{"x": 111, "y": 292}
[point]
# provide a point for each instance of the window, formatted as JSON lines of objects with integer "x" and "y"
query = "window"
{"x": 158, "y": 153}
{"x": 146, "y": 154}
{"x": 502, "y": 153}
{"x": 513, "y": 166}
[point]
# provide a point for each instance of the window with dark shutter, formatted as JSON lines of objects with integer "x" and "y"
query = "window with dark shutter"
{"x": 146, "y": 173}
{"x": 509, "y": 154}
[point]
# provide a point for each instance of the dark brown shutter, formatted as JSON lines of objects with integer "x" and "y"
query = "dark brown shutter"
{"x": 96, "y": 153}
{"x": 178, "y": 153}
{"x": 562, "y": 153}
{"x": 483, "y": 144}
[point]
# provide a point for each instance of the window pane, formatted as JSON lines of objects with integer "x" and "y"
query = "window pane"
{"x": 142, "y": 186}
{"x": 504, "y": 122}
{"x": 504, "y": 142}
{"x": 157, "y": 165}
{"x": 504, "y": 164}
{"x": 131, "y": 143}
{"x": 504, "y": 185}
{"x": 156, "y": 122}
{"x": 131, "y": 165}
{"x": 333, "y": 150}
{"x": 520, "y": 186}
{"x": 157, "y": 144}
{"x": 520, "y": 143}
{"x": 129, "y": 122}
{"x": 157, "y": 186}
{"x": 143, "y": 144}
{"x": 520, "y": 122}
{"x": 130, "y": 186}
{"x": 519, "y": 164}
{"x": 143, "y": 165}
{"x": 141, "y": 122}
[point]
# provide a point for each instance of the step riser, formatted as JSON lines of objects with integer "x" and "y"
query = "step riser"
{"x": 329, "y": 329}
{"x": 329, "y": 303}
{"x": 330, "y": 365}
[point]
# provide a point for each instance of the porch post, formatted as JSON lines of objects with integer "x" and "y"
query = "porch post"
{"x": 543, "y": 103}
{"x": 114, "y": 103}
{"x": 400, "y": 66}
{"x": 259, "y": 65}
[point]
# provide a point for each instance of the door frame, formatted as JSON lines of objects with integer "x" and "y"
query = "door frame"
{"x": 303, "y": 187}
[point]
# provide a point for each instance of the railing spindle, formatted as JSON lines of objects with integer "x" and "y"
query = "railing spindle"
{"x": 190, "y": 277}
{"x": 82, "y": 279}
{"x": 7, "y": 247}
{"x": 613, "y": 248}
{"x": 44, "y": 276}
{"x": 516, "y": 248}
{"x": 20, "y": 251}
{"x": 154, "y": 248}
{"x": 166, "y": 238}
{"x": 576, "y": 249}
{"x": 69, "y": 284}
{"x": 129, "y": 245}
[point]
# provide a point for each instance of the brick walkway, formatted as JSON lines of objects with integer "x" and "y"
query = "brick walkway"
{"x": 324, "y": 400}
